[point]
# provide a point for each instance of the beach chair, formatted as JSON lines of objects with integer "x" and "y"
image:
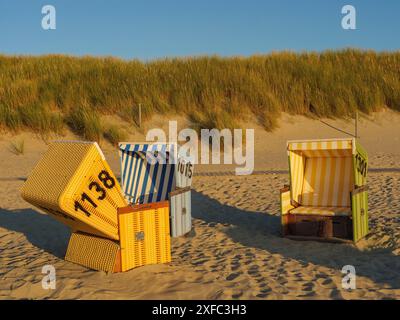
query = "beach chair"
{"x": 327, "y": 197}
{"x": 74, "y": 184}
{"x": 157, "y": 172}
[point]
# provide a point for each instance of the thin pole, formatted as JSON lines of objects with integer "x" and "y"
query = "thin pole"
{"x": 356, "y": 125}
{"x": 140, "y": 115}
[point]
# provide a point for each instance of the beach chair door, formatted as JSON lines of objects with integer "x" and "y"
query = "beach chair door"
{"x": 359, "y": 202}
{"x": 181, "y": 216}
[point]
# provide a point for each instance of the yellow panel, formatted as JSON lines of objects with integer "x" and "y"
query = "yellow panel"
{"x": 326, "y": 211}
{"x": 93, "y": 252}
{"x": 297, "y": 174}
{"x": 144, "y": 235}
{"x": 74, "y": 182}
{"x": 286, "y": 206}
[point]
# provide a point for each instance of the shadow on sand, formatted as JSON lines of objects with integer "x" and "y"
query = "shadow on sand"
{"x": 263, "y": 231}
{"x": 41, "y": 230}
{"x": 251, "y": 229}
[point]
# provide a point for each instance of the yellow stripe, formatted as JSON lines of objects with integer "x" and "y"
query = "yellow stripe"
{"x": 324, "y": 177}
{"x": 346, "y": 183}
{"x": 295, "y": 175}
{"x": 332, "y": 180}
{"x": 292, "y": 158}
{"x": 317, "y": 183}
{"x": 329, "y": 175}
{"x": 324, "y": 149}
{"x": 301, "y": 177}
{"x": 341, "y": 182}
{"x": 314, "y": 177}
{"x": 307, "y": 184}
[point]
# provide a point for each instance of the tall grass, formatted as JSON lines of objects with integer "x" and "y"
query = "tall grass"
{"x": 49, "y": 92}
{"x": 85, "y": 122}
{"x": 114, "y": 134}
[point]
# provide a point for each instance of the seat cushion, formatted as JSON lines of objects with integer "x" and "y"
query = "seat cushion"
{"x": 323, "y": 211}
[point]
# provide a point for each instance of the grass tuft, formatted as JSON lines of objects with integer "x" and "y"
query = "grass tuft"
{"x": 114, "y": 134}
{"x": 17, "y": 147}
{"x": 86, "y": 123}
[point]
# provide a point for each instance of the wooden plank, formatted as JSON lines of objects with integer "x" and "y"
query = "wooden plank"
{"x": 179, "y": 191}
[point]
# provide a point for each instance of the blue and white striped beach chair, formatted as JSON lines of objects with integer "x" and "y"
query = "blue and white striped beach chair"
{"x": 155, "y": 172}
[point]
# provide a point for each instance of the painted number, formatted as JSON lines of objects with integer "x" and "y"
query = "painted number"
{"x": 185, "y": 169}
{"x": 78, "y": 206}
{"x": 361, "y": 165}
{"x": 99, "y": 190}
{"x": 107, "y": 181}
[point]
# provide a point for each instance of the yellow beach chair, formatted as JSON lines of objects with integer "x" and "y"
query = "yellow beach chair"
{"x": 327, "y": 196}
{"x": 74, "y": 184}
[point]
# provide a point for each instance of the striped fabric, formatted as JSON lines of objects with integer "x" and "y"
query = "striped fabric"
{"x": 321, "y": 172}
{"x": 326, "y": 211}
{"x": 326, "y": 153}
{"x": 297, "y": 162}
{"x": 327, "y": 182}
{"x": 142, "y": 181}
{"x": 340, "y": 147}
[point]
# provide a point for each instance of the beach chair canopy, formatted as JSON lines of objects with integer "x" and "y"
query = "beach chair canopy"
{"x": 322, "y": 174}
{"x": 149, "y": 172}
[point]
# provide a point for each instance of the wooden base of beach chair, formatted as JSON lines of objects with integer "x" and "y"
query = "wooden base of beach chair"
{"x": 314, "y": 227}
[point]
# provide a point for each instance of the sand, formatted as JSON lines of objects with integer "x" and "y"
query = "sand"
{"x": 235, "y": 250}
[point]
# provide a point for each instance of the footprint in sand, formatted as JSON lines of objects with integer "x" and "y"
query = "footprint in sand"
{"x": 233, "y": 276}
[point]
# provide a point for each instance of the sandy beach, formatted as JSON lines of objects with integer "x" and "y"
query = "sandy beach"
{"x": 235, "y": 250}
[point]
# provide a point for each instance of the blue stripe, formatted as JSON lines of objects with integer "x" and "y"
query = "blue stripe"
{"x": 123, "y": 173}
{"x": 132, "y": 169}
{"x": 129, "y": 181}
{"x": 140, "y": 170}
{"x": 147, "y": 174}
{"x": 155, "y": 174}
{"x": 160, "y": 189}
{"x": 137, "y": 161}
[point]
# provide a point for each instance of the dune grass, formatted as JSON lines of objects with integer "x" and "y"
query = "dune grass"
{"x": 47, "y": 93}
{"x": 114, "y": 134}
{"x": 17, "y": 147}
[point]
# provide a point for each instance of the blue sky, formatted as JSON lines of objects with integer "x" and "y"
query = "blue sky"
{"x": 156, "y": 29}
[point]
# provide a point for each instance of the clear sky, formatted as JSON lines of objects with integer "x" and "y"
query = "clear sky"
{"x": 159, "y": 28}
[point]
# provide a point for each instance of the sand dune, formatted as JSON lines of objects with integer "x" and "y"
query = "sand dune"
{"x": 235, "y": 250}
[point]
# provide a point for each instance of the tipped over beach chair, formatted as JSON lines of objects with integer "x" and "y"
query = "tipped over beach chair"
{"x": 156, "y": 172}
{"x": 74, "y": 184}
{"x": 327, "y": 197}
